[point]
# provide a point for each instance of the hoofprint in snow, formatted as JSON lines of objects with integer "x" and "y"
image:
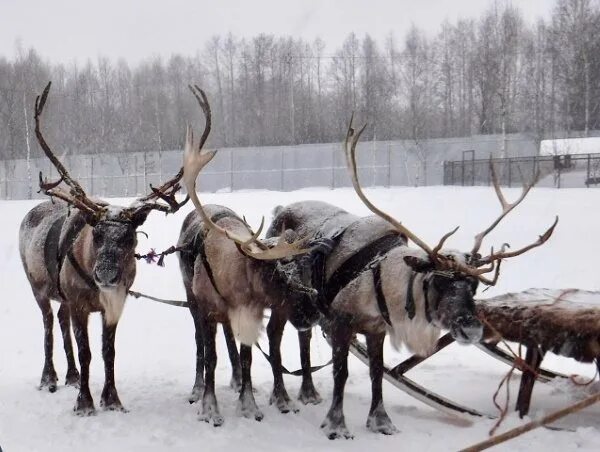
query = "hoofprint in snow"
{"x": 155, "y": 359}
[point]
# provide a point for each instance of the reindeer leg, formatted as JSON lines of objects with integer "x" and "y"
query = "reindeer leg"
{"x": 308, "y": 393}
{"x": 49, "y": 377}
{"x": 275, "y": 329}
{"x": 84, "y": 406}
{"x": 210, "y": 408}
{"x": 334, "y": 425}
{"x": 234, "y": 358}
{"x": 247, "y": 405}
{"x": 109, "y": 400}
{"x": 64, "y": 320}
{"x": 378, "y": 420}
{"x": 198, "y": 388}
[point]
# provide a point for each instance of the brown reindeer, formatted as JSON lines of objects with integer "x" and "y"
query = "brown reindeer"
{"x": 374, "y": 284}
{"x": 231, "y": 277}
{"x": 84, "y": 259}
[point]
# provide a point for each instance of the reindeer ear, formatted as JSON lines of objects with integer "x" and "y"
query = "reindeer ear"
{"x": 419, "y": 265}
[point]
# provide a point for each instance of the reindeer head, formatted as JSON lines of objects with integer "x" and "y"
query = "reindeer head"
{"x": 114, "y": 228}
{"x": 451, "y": 277}
{"x": 449, "y": 297}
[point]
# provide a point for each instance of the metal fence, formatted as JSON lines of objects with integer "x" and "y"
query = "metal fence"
{"x": 281, "y": 168}
{"x": 560, "y": 171}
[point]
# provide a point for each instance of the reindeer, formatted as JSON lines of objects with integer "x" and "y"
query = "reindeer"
{"x": 84, "y": 259}
{"x": 375, "y": 284}
{"x": 231, "y": 277}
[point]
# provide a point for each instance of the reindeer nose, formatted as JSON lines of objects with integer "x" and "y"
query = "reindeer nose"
{"x": 471, "y": 333}
{"x": 107, "y": 277}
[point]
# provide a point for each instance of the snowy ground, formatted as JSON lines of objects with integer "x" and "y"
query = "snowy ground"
{"x": 155, "y": 347}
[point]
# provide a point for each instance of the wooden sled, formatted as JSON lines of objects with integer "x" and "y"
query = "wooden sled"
{"x": 564, "y": 322}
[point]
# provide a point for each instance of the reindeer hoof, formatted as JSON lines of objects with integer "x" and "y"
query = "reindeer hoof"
{"x": 84, "y": 405}
{"x": 381, "y": 425}
{"x": 196, "y": 394}
{"x": 109, "y": 400}
{"x": 114, "y": 407}
{"x": 216, "y": 419}
{"x": 50, "y": 386}
{"x": 379, "y": 421}
{"x": 49, "y": 381}
{"x": 72, "y": 378}
{"x": 283, "y": 403}
{"x": 250, "y": 412}
{"x": 336, "y": 430}
{"x": 309, "y": 395}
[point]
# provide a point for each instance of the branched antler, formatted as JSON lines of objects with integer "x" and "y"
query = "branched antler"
{"x": 76, "y": 196}
{"x": 194, "y": 160}
{"x": 476, "y": 265}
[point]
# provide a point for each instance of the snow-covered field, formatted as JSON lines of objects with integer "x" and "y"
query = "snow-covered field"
{"x": 155, "y": 346}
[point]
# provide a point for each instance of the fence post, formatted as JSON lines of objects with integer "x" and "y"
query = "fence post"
{"x": 92, "y": 176}
{"x": 145, "y": 170}
{"x": 509, "y": 172}
{"x": 5, "y": 179}
{"x": 333, "y": 169}
{"x": 453, "y": 182}
{"x": 473, "y": 169}
{"x": 231, "y": 170}
{"x": 389, "y": 178}
{"x": 462, "y": 176}
{"x": 445, "y": 165}
{"x": 587, "y": 179}
{"x": 282, "y": 170}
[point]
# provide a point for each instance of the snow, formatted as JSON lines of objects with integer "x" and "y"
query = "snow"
{"x": 155, "y": 356}
{"x": 588, "y": 145}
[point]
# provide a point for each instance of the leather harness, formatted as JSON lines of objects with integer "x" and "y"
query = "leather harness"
{"x": 368, "y": 257}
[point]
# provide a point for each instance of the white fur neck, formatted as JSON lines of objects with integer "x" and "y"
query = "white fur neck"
{"x": 113, "y": 302}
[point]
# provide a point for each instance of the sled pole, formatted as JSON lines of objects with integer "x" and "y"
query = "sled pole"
{"x": 498, "y": 439}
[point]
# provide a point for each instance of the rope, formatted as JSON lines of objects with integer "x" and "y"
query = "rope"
{"x": 151, "y": 256}
{"x": 183, "y": 304}
{"x": 178, "y": 303}
{"x": 284, "y": 370}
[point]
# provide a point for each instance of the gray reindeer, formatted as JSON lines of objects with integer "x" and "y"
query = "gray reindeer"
{"x": 84, "y": 259}
{"x": 374, "y": 284}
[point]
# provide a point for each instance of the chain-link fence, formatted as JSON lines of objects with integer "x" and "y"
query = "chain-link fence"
{"x": 282, "y": 168}
{"x": 560, "y": 171}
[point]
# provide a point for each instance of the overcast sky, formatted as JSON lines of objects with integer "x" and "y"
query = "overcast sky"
{"x": 75, "y": 30}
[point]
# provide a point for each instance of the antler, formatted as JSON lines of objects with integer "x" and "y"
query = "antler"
{"x": 441, "y": 261}
{"x": 76, "y": 196}
{"x": 350, "y": 151}
{"x": 165, "y": 192}
{"x": 195, "y": 159}
{"x": 506, "y": 209}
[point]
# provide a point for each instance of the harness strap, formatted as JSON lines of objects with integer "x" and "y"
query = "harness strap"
{"x": 81, "y": 272}
{"x": 199, "y": 245}
{"x": 426, "y": 295}
{"x": 65, "y": 249}
{"x": 295, "y": 373}
{"x": 359, "y": 262}
{"x": 381, "y": 304}
{"x": 410, "y": 298}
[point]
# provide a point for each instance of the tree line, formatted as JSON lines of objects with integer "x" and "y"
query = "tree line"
{"x": 493, "y": 74}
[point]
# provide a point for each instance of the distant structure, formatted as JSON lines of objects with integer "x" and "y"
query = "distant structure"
{"x": 570, "y": 146}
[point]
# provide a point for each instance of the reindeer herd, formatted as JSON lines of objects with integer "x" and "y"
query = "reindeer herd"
{"x": 318, "y": 265}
